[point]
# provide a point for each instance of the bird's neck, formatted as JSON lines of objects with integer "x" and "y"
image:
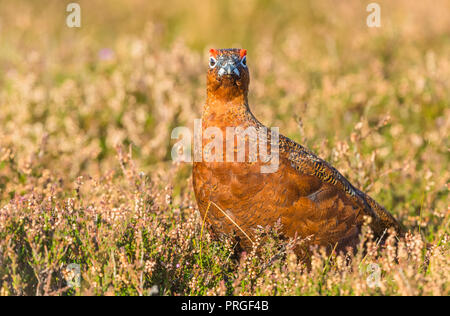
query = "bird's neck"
{"x": 227, "y": 107}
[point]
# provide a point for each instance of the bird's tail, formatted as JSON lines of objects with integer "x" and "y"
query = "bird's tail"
{"x": 385, "y": 220}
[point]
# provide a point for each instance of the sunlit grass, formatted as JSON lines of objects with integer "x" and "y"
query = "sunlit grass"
{"x": 85, "y": 122}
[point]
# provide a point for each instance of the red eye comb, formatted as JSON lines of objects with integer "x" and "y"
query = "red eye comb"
{"x": 243, "y": 53}
{"x": 213, "y": 52}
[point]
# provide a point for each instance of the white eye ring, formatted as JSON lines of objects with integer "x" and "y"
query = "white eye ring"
{"x": 212, "y": 62}
{"x": 244, "y": 61}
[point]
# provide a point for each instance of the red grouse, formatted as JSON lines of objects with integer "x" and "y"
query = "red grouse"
{"x": 310, "y": 197}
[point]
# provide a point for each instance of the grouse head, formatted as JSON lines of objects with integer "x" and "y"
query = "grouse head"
{"x": 228, "y": 72}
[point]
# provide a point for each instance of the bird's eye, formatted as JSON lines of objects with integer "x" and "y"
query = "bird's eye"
{"x": 212, "y": 62}
{"x": 244, "y": 61}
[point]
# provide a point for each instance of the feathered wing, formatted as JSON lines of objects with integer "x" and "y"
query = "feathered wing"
{"x": 342, "y": 197}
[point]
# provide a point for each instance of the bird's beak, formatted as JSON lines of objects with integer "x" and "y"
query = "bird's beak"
{"x": 228, "y": 68}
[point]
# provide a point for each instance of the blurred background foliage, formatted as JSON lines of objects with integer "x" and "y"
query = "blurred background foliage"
{"x": 136, "y": 69}
{"x": 86, "y": 115}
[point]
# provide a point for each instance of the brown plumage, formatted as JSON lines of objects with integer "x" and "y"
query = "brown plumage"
{"x": 305, "y": 193}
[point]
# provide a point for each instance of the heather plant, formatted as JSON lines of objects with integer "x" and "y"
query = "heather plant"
{"x": 86, "y": 176}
